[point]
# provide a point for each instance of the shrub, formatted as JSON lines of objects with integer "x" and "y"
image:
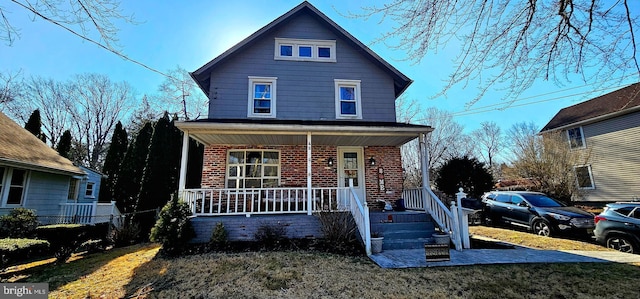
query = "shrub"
{"x": 19, "y": 223}
{"x": 126, "y": 235}
{"x": 339, "y": 230}
{"x": 270, "y": 236}
{"x": 218, "y": 237}
{"x": 17, "y": 250}
{"x": 173, "y": 228}
{"x": 65, "y": 239}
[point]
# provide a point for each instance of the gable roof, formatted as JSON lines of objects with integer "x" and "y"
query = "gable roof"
{"x": 203, "y": 74}
{"x": 20, "y": 148}
{"x": 615, "y": 103}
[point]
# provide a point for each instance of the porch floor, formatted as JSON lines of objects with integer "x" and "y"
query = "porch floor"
{"x": 415, "y": 258}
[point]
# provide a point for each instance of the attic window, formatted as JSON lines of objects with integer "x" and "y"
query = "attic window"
{"x": 576, "y": 138}
{"x": 305, "y": 50}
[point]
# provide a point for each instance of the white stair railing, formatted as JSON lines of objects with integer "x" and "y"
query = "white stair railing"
{"x": 445, "y": 218}
{"x": 360, "y": 212}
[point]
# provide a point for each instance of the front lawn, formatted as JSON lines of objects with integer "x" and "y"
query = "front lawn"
{"x": 137, "y": 272}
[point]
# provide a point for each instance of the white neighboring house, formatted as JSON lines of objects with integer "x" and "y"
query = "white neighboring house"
{"x": 34, "y": 176}
{"x": 608, "y": 129}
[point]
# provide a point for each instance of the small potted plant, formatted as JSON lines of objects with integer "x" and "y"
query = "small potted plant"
{"x": 441, "y": 237}
{"x": 376, "y": 242}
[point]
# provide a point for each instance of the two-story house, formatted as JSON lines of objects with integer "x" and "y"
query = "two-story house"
{"x": 607, "y": 129}
{"x": 301, "y": 119}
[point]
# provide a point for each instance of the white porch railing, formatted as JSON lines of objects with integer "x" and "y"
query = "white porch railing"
{"x": 208, "y": 202}
{"x": 360, "y": 212}
{"x": 87, "y": 213}
{"x": 446, "y": 219}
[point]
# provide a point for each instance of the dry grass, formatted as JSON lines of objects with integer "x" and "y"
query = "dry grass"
{"x": 530, "y": 240}
{"x": 136, "y": 272}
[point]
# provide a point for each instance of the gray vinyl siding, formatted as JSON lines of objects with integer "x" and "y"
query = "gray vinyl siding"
{"x": 305, "y": 90}
{"x": 45, "y": 192}
{"x": 615, "y": 158}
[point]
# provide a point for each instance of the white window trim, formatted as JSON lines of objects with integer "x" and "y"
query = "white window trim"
{"x": 243, "y": 177}
{"x": 93, "y": 190}
{"x": 297, "y": 43}
{"x": 270, "y": 80}
{"x": 584, "y": 142}
{"x": 593, "y": 185}
{"x": 352, "y": 83}
{"x": 6, "y": 186}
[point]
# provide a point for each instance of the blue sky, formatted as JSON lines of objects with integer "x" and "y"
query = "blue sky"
{"x": 190, "y": 33}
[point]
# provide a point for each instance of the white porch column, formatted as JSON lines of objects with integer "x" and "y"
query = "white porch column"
{"x": 309, "y": 195}
{"x": 424, "y": 161}
{"x": 183, "y": 164}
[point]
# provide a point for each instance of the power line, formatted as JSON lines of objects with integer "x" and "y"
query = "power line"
{"x": 489, "y": 108}
{"x": 123, "y": 56}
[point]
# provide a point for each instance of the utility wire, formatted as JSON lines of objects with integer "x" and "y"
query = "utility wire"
{"x": 123, "y": 56}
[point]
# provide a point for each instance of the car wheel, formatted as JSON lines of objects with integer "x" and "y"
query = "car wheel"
{"x": 621, "y": 243}
{"x": 541, "y": 228}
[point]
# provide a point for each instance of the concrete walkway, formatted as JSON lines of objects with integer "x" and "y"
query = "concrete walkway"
{"x": 415, "y": 258}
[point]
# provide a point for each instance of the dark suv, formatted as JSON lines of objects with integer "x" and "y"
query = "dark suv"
{"x": 618, "y": 226}
{"x": 541, "y": 214}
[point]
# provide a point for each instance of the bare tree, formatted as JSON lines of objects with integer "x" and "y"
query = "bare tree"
{"x": 548, "y": 160}
{"x": 489, "y": 142}
{"x": 180, "y": 95}
{"x": 91, "y": 20}
{"x": 50, "y": 98}
{"x": 96, "y": 104}
{"x": 520, "y": 137}
{"x": 445, "y": 141}
{"x": 10, "y": 90}
{"x": 517, "y": 41}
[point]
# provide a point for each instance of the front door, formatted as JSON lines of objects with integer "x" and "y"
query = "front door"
{"x": 351, "y": 166}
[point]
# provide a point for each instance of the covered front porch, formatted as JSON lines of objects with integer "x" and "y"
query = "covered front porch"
{"x": 268, "y": 167}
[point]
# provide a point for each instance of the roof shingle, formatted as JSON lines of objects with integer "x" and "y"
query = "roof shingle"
{"x": 21, "y": 148}
{"x": 613, "y": 102}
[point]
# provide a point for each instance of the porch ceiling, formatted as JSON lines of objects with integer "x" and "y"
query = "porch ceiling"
{"x": 345, "y": 133}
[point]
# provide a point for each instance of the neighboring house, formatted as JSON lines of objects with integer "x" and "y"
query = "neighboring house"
{"x": 607, "y": 128}
{"x": 301, "y": 119}
{"x": 34, "y": 176}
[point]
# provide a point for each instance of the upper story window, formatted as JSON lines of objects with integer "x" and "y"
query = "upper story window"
{"x": 13, "y": 182}
{"x": 348, "y": 100}
{"x": 262, "y": 97}
{"x": 305, "y": 50}
{"x": 88, "y": 191}
{"x": 576, "y": 138}
{"x": 584, "y": 177}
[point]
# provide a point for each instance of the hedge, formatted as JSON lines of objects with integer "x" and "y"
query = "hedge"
{"x": 16, "y": 250}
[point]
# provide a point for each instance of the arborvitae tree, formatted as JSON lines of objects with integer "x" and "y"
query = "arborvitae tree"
{"x": 127, "y": 184}
{"x": 111, "y": 167}
{"x": 161, "y": 174}
{"x": 64, "y": 145}
{"x": 34, "y": 125}
{"x": 464, "y": 172}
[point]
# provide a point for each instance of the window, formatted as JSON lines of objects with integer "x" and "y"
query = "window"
{"x": 72, "y": 194}
{"x": 305, "y": 50}
{"x": 503, "y": 198}
{"x": 262, "y": 97}
{"x": 584, "y": 177}
{"x": 348, "y": 103}
{"x": 576, "y": 139}
{"x": 13, "y": 183}
{"x": 88, "y": 192}
{"x": 253, "y": 169}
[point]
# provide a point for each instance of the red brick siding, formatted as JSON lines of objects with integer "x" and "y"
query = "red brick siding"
{"x": 293, "y": 168}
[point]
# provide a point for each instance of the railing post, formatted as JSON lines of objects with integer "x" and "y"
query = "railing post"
{"x": 94, "y": 210}
{"x": 462, "y": 220}
{"x": 456, "y": 226}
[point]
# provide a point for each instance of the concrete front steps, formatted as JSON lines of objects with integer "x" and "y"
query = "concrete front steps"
{"x": 403, "y": 230}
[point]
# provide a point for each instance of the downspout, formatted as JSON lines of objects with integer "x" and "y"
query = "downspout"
{"x": 309, "y": 195}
